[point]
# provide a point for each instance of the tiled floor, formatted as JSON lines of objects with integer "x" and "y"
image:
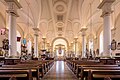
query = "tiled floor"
{"x": 59, "y": 71}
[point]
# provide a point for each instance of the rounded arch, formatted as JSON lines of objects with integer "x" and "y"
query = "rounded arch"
{"x": 43, "y": 20}
{"x": 29, "y": 36}
{"x": 20, "y": 30}
{"x": 2, "y": 20}
{"x": 117, "y": 27}
{"x": 101, "y": 42}
{"x": 117, "y": 20}
{"x": 99, "y": 31}
{"x": 60, "y": 38}
{"x": 90, "y": 36}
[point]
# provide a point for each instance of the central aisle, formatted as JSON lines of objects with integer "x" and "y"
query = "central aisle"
{"x": 59, "y": 71}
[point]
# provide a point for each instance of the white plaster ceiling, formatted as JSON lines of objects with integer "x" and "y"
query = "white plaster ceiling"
{"x": 59, "y": 18}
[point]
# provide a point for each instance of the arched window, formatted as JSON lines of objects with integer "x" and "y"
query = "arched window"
{"x": 29, "y": 46}
{"x": 101, "y": 42}
{"x": 18, "y": 43}
{"x": 90, "y": 45}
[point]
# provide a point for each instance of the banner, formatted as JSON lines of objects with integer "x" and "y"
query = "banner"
{"x": 24, "y": 41}
{"x": 2, "y": 31}
{"x": 18, "y": 39}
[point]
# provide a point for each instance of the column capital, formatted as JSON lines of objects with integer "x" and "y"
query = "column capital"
{"x": 48, "y": 42}
{"x": 105, "y": 5}
{"x": 43, "y": 38}
{"x": 36, "y": 35}
{"x": 13, "y": 5}
{"x": 75, "y": 39}
{"x": 83, "y": 31}
{"x": 36, "y": 30}
{"x": 71, "y": 43}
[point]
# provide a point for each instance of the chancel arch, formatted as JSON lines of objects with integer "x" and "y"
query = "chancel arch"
{"x": 58, "y": 44}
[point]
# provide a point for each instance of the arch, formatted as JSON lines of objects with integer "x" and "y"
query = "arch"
{"x": 60, "y": 38}
{"x": 29, "y": 46}
{"x": 18, "y": 42}
{"x": 101, "y": 42}
{"x": 20, "y": 30}
{"x": 117, "y": 27}
{"x": 29, "y": 36}
{"x": 89, "y": 36}
{"x": 76, "y": 21}
{"x": 3, "y": 20}
{"x": 43, "y": 20}
{"x": 43, "y": 26}
{"x": 116, "y": 20}
{"x": 98, "y": 34}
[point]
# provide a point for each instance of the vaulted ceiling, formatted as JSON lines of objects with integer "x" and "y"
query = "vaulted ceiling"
{"x": 59, "y": 18}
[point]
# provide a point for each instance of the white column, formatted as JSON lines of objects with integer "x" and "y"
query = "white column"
{"x": 106, "y": 8}
{"x": 83, "y": 42}
{"x": 107, "y": 36}
{"x": 13, "y": 5}
{"x": 44, "y": 43}
{"x": 12, "y": 36}
{"x": 36, "y": 45}
{"x": 75, "y": 46}
{"x": 83, "y": 46}
{"x": 48, "y": 46}
{"x": 71, "y": 53}
{"x": 36, "y": 42}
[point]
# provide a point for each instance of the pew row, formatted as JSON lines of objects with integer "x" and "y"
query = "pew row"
{"x": 38, "y": 68}
{"x": 94, "y": 73}
{"x": 18, "y": 73}
{"x": 84, "y": 70}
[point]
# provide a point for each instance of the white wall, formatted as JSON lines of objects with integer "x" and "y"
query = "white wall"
{"x": 117, "y": 31}
{"x": 18, "y": 44}
{"x": 2, "y": 25}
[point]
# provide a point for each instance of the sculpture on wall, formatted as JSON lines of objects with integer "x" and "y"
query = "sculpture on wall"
{"x": 97, "y": 52}
{"x": 5, "y": 44}
{"x": 118, "y": 46}
{"x": 113, "y": 45}
{"x": 1, "y": 52}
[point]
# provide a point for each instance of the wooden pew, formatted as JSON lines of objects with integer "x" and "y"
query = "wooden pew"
{"x": 79, "y": 67}
{"x": 18, "y": 73}
{"x": 73, "y": 64}
{"x": 35, "y": 63}
{"x": 45, "y": 65}
{"x": 35, "y": 66}
{"x": 93, "y": 72}
{"x": 34, "y": 69}
{"x": 96, "y": 74}
{"x": 38, "y": 67}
